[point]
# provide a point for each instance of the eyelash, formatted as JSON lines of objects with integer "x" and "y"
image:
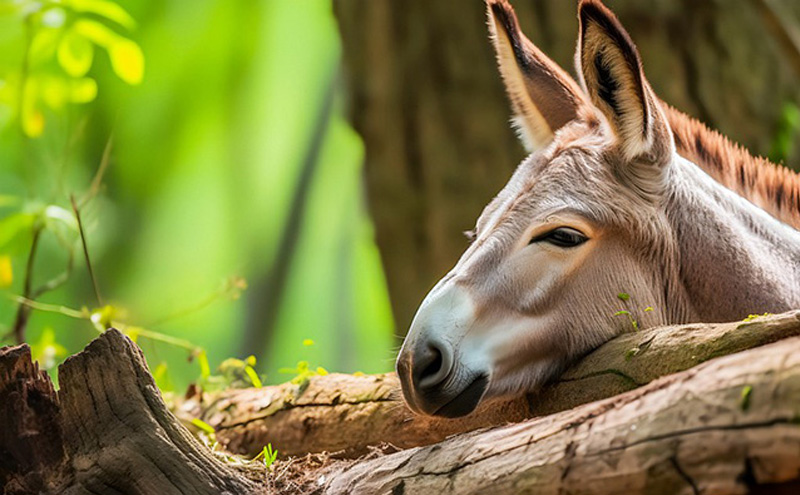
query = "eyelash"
{"x": 563, "y": 237}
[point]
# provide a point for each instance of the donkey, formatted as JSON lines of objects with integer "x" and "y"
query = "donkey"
{"x": 621, "y": 194}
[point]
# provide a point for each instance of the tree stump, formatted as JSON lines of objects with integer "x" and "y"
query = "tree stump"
{"x": 106, "y": 430}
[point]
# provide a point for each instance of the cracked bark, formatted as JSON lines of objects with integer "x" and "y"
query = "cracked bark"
{"x": 350, "y": 414}
{"x": 105, "y": 431}
{"x": 727, "y": 425}
{"x": 686, "y": 433}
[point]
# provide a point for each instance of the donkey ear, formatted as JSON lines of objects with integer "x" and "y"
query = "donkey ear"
{"x": 612, "y": 75}
{"x": 544, "y": 98}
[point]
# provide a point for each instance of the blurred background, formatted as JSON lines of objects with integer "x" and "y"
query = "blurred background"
{"x": 287, "y": 179}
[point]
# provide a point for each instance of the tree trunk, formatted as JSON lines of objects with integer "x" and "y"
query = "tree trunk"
{"x": 105, "y": 431}
{"x": 428, "y": 102}
{"x": 350, "y": 415}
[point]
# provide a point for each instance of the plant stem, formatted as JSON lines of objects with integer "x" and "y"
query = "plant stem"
{"x": 24, "y": 312}
{"x": 86, "y": 250}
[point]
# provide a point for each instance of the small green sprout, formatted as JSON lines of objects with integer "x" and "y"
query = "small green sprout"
{"x": 268, "y": 455}
{"x": 648, "y": 309}
{"x": 754, "y": 316}
{"x": 745, "y": 398}
{"x": 623, "y": 312}
{"x": 623, "y": 296}
{"x": 205, "y": 427}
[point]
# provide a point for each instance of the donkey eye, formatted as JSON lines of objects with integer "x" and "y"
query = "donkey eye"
{"x": 564, "y": 237}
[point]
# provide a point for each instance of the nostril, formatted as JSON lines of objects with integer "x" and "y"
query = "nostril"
{"x": 432, "y": 366}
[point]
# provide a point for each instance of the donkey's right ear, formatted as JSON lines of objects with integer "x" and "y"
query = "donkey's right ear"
{"x": 544, "y": 97}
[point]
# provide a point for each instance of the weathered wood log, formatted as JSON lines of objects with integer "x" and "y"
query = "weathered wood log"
{"x": 726, "y": 426}
{"x": 106, "y": 430}
{"x": 349, "y": 414}
{"x": 729, "y": 426}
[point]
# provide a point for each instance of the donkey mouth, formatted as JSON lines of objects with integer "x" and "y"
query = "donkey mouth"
{"x": 466, "y": 401}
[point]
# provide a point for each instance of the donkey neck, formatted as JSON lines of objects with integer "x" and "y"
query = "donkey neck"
{"x": 734, "y": 259}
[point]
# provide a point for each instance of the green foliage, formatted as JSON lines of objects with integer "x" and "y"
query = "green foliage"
{"x": 744, "y": 400}
{"x": 783, "y": 144}
{"x": 752, "y": 317}
{"x": 624, "y": 296}
{"x": 61, "y": 37}
{"x": 267, "y": 455}
{"x": 206, "y": 428}
{"x": 196, "y": 185}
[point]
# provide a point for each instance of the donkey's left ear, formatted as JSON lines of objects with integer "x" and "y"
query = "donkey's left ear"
{"x": 613, "y": 78}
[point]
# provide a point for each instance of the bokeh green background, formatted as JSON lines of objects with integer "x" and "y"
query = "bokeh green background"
{"x": 231, "y": 158}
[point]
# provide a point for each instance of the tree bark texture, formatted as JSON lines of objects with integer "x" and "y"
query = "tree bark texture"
{"x": 105, "y": 431}
{"x": 428, "y": 102}
{"x": 351, "y": 414}
{"x": 729, "y": 426}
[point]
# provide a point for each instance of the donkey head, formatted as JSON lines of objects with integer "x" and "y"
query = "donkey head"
{"x": 580, "y": 222}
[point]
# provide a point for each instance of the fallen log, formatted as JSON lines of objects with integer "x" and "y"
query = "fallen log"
{"x": 726, "y": 426}
{"x": 349, "y": 413}
{"x": 106, "y": 430}
{"x": 729, "y": 426}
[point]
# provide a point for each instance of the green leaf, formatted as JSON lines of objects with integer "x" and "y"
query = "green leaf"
{"x": 75, "y": 54}
{"x": 15, "y": 231}
{"x": 83, "y": 90}
{"x": 6, "y": 272}
{"x": 623, "y": 296}
{"x": 202, "y": 360}
{"x": 622, "y": 312}
{"x": 127, "y": 60}
{"x": 254, "y": 379}
{"x": 55, "y": 213}
{"x": 106, "y": 9}
{"x": 199, "y": 423}
{"x": 745, "y": 397}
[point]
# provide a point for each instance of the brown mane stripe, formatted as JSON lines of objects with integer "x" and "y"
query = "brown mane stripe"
{"x": 774, "y": 188}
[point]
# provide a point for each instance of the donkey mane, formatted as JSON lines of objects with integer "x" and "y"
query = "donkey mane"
{"x": 774, "y": 188}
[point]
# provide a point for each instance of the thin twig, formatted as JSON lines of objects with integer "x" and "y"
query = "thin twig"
{"x": 85, "y": 250}
{"x": 24, "y": 312}
{"x": 97, "y": 181}
{"x": 49, "y": 308}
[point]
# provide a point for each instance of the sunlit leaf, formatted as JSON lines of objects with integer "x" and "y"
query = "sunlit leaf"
{"x": 199, "y": 423}
{"x": 127, "y": 60}
{"x": 254, "y": 379}
{"x": 46, "y": 350}
{"x": 107, "y": 9}
{"x": 15, "y": 231}
{"x": 102, "y": 317}
{"x": 6, "y": 272}
{"x": 95, "y": 32}
{"x": 83, "y": 90}
{"x": 75, "y": 54}
{"x": 55, "y": 213}
{"x": 202, "y": 360}
{"x": 161, "y": 377}
{"x": 32, "y": 121}
{"x": 53, "y": 91}
{"x": 43, "y": 45}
